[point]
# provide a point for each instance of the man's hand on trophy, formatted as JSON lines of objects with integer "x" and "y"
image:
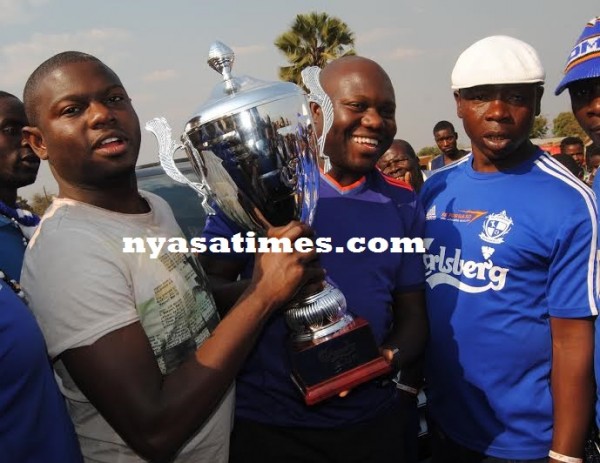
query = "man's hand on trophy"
{"x": 281, "y": 274}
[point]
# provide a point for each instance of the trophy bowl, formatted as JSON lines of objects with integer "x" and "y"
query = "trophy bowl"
{"x": 254, "y": 151}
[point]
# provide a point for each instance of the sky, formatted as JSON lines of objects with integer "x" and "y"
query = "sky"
{"x": 159, "y": 48}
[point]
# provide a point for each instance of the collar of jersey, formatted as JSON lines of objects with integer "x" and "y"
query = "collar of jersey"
{"x": 344, "y": 190}
{"x": 521, "y": 168}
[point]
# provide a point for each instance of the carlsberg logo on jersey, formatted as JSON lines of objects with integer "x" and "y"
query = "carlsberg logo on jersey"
{"x": 477, "y": 277}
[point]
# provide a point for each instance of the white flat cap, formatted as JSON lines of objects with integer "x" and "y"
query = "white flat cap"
{"x": 495, "y": 60}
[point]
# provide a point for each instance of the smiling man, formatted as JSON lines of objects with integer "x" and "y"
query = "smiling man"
{"x": 355, "y": 200}
{"x": 511, "y": 283}
{"x": 401, "y": 162}
{"x": 145, "y": 363}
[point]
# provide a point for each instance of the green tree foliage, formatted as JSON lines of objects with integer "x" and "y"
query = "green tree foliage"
{"x": 313, "y": 40}
{"x": 565, "y": 125}
{"x": 429, "y": 151}
{"x": 40, "y": 202}
{"x": 540, "y": 127}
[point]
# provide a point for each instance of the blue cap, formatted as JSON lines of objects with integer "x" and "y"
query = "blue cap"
{"x": 584, "y": 60}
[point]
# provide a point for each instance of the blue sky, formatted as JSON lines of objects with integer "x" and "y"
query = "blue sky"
{"x": 159, "y": 48}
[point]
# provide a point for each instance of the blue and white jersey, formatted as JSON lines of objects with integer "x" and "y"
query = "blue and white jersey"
{"x": 596, "y": 188}
{"x": 506, "y": 251}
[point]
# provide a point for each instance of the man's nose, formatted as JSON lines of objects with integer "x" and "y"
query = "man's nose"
{"x": 372, "y": 118}
{"x": 100, "y": 113}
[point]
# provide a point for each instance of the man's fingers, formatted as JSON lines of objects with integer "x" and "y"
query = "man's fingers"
{"x": 292, "y": 230}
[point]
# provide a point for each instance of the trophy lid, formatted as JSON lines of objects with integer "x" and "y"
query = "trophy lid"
{"x": 236, "y": 94}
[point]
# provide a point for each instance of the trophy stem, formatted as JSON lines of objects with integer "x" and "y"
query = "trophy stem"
{"x": 318, "y": 315}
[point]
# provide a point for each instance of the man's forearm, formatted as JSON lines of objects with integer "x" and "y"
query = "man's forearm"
{"x": 410, "y": 327}
{"x": 572, "y": 384}
{"x": 226, "y": 293}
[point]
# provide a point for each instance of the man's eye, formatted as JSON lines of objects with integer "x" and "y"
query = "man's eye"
{"x": 70, "y": 111}
{"x": 516, "y": 99}
{"x": 580, "y": 93}
{"x": 116, "y": 99}
{"x": 358, "y": 106}
{"x": 12, "y": 130}
{"x": 477, "y": 97}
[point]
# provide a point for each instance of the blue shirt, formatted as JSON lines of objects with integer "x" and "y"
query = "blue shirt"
{"x": 372, "y": 207}
{"x": 506, "y": 251}
{"x": 596, "y": 188}
{"x": 437, "y": 162}
{"x": 12, "y": 248}
{"x": 34, "y": 423}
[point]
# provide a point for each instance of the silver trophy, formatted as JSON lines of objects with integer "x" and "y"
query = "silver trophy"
{"x": 254, "y": 151}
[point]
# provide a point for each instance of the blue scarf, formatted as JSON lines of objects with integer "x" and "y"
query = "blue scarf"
{"x": 22, "y": 216}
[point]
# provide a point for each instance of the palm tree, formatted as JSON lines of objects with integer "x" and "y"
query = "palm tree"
{"x": 313, "y": 40}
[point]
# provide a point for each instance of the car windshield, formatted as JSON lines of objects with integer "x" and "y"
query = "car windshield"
{"x": 184, "y": 201}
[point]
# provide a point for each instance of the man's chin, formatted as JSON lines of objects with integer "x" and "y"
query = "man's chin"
{"x": 26, "y": 179}
{"x": 595, "y": 136}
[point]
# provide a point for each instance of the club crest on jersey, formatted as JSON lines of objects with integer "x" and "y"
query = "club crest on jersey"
{"x": 495, "y": 228}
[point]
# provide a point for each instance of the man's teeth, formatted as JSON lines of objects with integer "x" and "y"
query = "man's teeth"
{"x": 366, "y": 141}
{"x": 109, "y": 140}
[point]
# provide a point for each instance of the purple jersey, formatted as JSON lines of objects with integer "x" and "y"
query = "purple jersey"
{"x": 372, "y": 207}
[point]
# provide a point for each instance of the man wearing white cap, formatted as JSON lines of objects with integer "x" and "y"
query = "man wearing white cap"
{"x": 511, "y": 282}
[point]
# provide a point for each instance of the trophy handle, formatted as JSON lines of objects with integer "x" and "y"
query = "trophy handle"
{"x": 310, "y": 77}
{"x": 166, "y": 152}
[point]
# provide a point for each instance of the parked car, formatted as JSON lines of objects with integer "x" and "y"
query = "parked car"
{"x": 184, "y": 201}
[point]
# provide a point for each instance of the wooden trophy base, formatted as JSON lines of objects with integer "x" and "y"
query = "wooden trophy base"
{"x": 325, "y": 367}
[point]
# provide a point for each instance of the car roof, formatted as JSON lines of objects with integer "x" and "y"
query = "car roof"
{"x": 154, "y": 168}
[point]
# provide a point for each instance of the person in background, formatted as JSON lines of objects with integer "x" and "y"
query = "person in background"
{"x": 401, "y": 162}
{"x": 145, "y": 362}
{"x": 511, "y": 284}
{"x": 569, "y": 163}
{"x": 34, "y": 423}
{"x": 582, "y": 80}
{"x": 18, "y": 168}
{"x": 593, "y": 159}
{"x": 446, "y": 139}
{"x": 573, "y": 146}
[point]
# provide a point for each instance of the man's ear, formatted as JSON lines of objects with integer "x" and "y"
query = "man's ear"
{"x": 317, "y": 116}
{"x": 33, "y": 137}
{"x": 458, "y": 101}
{"x": 538, "y": 100}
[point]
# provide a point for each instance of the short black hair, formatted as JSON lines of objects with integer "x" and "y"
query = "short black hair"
{"x": 443, "y": 125}
{"x": 407, "y": 147}
{"x": 568, "y": 141}
{"x": 4, "y": 94}
{"x": 30, "y": 92}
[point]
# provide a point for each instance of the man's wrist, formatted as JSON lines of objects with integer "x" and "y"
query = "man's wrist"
{"x": 564, "y": 458}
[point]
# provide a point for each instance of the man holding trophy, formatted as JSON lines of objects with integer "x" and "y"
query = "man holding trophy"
{"x": 272, "y": 422}
{"x": 145, "y": 363}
